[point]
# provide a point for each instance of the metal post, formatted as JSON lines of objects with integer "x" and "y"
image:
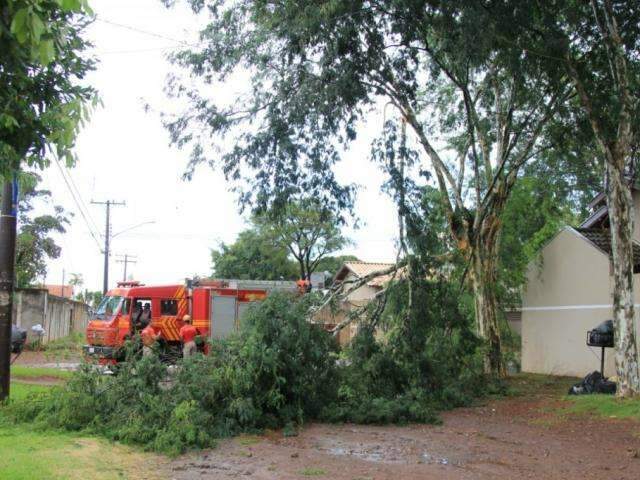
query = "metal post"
{"x": 602, "y": 362}
{"x": 126, "y": 262}
{"x": 126, "y": 259}
{"x": 107, "y": 240}
{"x": 107, "y": 235}
{"x": 7, "y": 261}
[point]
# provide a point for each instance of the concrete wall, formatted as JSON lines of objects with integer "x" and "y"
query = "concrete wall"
{"x": 568, "y": 291}
{"x": 58, "y": 316}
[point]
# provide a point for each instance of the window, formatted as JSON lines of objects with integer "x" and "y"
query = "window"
{"x": 168, "y": 307}
{"x": 108, "y": 308}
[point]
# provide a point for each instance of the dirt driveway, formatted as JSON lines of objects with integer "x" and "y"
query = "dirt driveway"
{"x": 514, "y": 438}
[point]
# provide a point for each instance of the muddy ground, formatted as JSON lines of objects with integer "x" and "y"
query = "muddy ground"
{"x": 519, "y": 437}
{"x": 63, "y": 360}
{"x": 513, "y": 438}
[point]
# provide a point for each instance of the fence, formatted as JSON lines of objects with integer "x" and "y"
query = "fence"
{"x": 58, "y": 316}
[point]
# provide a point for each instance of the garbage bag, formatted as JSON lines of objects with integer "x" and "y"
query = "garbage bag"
{"x": 594, "y": 382}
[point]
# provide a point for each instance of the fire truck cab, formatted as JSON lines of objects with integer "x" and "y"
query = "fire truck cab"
{"x": 215, "y": 306}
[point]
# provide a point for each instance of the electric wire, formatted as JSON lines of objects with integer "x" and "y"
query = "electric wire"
{"x": 146, "y": 32}
{"x": 84, "y": 204}
{"x": 84, "y": 217}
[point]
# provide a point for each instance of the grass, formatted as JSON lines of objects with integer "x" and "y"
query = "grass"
{"x": 530, "y": 384}
{"x": 23, "y": 371}
{"x": 607, "y": 406}
{"x": 71, "y": 343}
{"x": 311, "y": 472}
{"x": 247, "y": 440}
{"x": 19, "y": 391}
{"x": 28, "y": 454}
{"x": 65, "y": 348}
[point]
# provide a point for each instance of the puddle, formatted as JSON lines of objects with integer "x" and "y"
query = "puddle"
{"x": 362, "y": 454}
{"x": 428, "y": 458}
{"x": 62, "y": 365}
{"x": 379, "y": 454}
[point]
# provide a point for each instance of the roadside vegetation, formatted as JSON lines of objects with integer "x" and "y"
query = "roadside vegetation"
{"x": 278, "y": 373}
{"x": 19, "y": 372}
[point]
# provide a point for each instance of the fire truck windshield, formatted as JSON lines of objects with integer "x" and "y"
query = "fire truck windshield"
{"x": 108, "y": 307}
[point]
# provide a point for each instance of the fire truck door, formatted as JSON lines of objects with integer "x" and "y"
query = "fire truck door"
{"x": 223, "y": 316}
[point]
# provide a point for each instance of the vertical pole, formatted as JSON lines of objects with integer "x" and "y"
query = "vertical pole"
{"x": 126, "y": 260}
{"x": 7, "y": 261}
{"x": 602, "y": 362}
{"x": 107, "y": 234}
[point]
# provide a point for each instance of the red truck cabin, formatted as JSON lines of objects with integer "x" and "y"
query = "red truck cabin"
{"x": 114, "y": 319}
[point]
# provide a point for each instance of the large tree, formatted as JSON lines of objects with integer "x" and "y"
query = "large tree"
{"x": 252, "y": 256}
{"x": 307, "y": 230}
{"x": 475, "y": 111}
{"x": 595, "y": 43}
{"x": 42, "y": 105}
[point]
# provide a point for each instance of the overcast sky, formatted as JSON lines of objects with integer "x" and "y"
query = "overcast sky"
{"x": 124, "y": 155}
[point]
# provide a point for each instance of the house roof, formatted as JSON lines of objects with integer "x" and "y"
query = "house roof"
{"x": 601, "y": 239}
{"x": 600, "y": 215}
{"x": 65, "y": 291}
{"x": 362, "y": 269}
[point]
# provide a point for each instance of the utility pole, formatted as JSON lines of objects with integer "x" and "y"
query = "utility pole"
{"x": 126, "y": 259}
{"x": 7, "y": 263}
{"x": 107, "y": 238}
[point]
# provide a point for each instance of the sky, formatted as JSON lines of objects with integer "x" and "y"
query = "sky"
{"x": 124, "y": 155}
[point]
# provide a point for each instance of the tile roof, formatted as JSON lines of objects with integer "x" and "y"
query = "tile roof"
{"x": 65, "y": 291}
{"x": 362, "y": 269}
{"x": 601, "y": 239}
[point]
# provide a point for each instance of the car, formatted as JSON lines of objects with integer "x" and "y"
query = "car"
{"x": 18, "y": 339}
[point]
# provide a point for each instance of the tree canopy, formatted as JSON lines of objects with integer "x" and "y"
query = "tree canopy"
{"x": 43, "y": 63}
{"x": 475, "y": 111}
{"x": 35, "y": 242}
{"x": 307, "y": 230}
{"x": 252, "y": 256}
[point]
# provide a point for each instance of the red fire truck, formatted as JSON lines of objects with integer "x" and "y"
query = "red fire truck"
{"x": 216, "y": 307}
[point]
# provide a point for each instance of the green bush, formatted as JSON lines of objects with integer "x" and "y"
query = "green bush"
{"x": 279, "y": 372}
{"x": 425, "y": 361}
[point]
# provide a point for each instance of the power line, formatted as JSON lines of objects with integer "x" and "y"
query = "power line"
{"x": 86, "y": 221}
{"x": 146, "y": 32}
{"x": 84, "y": 204}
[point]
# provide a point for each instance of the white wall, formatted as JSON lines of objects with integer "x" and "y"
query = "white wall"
{"x": 567, "y": 293}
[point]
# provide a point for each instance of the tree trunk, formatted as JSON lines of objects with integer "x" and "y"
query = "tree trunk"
{"x": 483, "y": 275}
{"x": 620, "y": 206}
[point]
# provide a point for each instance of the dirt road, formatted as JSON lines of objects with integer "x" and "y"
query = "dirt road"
{"x": 514, "y": 438}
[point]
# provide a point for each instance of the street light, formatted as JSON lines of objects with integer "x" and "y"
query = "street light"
{"x": 132, "y": 227}
{"x": 107, "y": 253}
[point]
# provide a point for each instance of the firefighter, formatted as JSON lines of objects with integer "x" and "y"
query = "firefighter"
{"x": 149, "y": 338}
{"x": 143, "y": 317}
{"x": 188, "y": 336}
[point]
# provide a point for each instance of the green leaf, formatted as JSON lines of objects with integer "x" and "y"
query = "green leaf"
{"x": 19, "y": 25}
{"x": 46, "y": 52}
{"x": 37, "y": 28}
{"x": 71, "y": 5}
{"x": 8, "y": 122}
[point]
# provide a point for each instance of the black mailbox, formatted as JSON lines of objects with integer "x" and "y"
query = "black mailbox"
{"x": 601, "y": 336}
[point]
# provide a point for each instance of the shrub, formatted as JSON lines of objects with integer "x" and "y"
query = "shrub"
{"x": 426, "y": 361}
{"x": 279, "y": 372}
{"x": 276, "y": 373}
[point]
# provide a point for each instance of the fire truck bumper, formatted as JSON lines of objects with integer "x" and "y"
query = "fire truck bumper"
{"x": 99, "y": 351}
